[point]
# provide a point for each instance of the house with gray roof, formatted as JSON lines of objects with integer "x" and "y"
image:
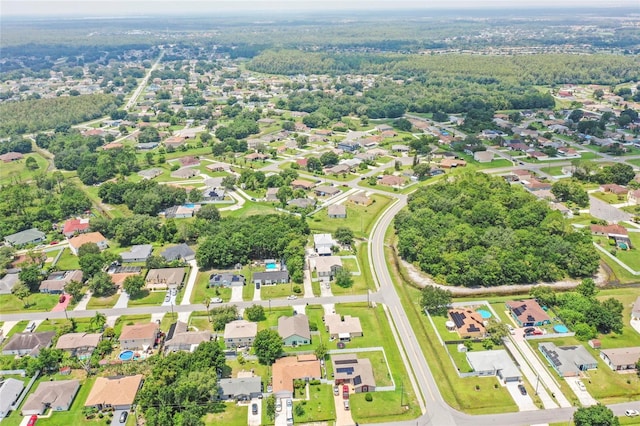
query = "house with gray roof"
{"x": 294, "y": 330}
{"x": 150, "y": 173}
{"x": 28, "y": 343}
{"x": 179, "y": 338}
{"x": 185, "y": 173}
{"x": 80, "y": 345}
{"x": 56, "y": 395}
{"x": 301, "y": 203}
{"x": 241, "y": 389}
{"x": 10, "y": 390}
{"x": 337, "y": 211}
{"x": 137, "y": 253}
{"x": 226, "y": 280}
{"x": 494, "y": 363}
{"x": 568, "y": 361}
{"x": 348, "y": 368}
{"x": 56, "y": 281}
{"x": 271, "y": 277}
{"x": 8, "y": 282}
{"x": 179, "y": 252}
{"x": 621, "y": 359}
{"x": 28, "y": 236}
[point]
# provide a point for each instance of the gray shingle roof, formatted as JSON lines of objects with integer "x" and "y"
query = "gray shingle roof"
{"x": 181, "y": 251}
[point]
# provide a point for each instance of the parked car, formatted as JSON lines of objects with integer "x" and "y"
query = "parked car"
{"x": 522, "y": 389}
{"x": 632, "y": 413}
{"x": 336, "y": 390}
{"x": 62, "y": 298}
{"x": 289, "y": 402}
{"x": 537, "y": 332}
{"x": 216, "y": 300}
{"x": 511, "y": 329}
{"x": 123, "y": 417}
{"x": 292, "y": 297}
{"x": 278, "y": 405}
{"x": 167, "y": 297}
{"x": 174, "y": 291}
{"x": 270, "y": 389}
{"x": 580, "y": 385}
{"x": 345, "y": 391}
{"x": 254, "y": 409}
{"x": 31, "y": 327}
{"x": 529, "y": 330}
{"x": 32, "y": 420}
{"x": 346, "y": 405}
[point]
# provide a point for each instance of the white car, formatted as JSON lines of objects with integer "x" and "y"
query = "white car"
{"x": 216, "y": 300}
{"x": 581, "y": 385}
{"x": 292, "y": 297}
{"x": 632, "y": 413}
{"x": 278, "y": 405}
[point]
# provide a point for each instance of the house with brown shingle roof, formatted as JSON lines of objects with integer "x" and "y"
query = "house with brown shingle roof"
{"x": 240, "y": 333}
{"x": 360, "y": 199}
{"x": 468, "y": 323}
{"x": 612, "y": 231}
{"x": 79, "y": 345}
{"x": 11, "y": 156}
{"x": 56, "y": 281}
{"x": 117, "y": 392}
{"x": 614, "y": 189}
{"x": 391, "y": 180}
{"x": 91, "y": 237}
{"x": 138, "y": 336}
{"x": 57, "y": 396}
{"x": 302, "y": 184}
{"x": 163, "y": 278}
{"x": 621, "y": 359}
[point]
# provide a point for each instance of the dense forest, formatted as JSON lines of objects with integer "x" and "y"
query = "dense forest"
{"x": 42, "y": 114}
{"x": 481, "y": 231}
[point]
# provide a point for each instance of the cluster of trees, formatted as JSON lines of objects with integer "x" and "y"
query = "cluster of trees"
{"x": 254, "y": 180}
{"x": 479, "y": 230}
{"x": 570, "y": 191}
{"x": 589, "y": 171}
{"x": 136, "y": 229}
{"x": 581, "y": 311}
{"x": 222, "y": 316}
{"x": 41, "y": 114}
{"x": 92, "y": 263}
{"x": 144, "y": 197}
{"x": 237, "y": 240}
{"x": 182, "y": 387}
{"x": 16, "y": 144}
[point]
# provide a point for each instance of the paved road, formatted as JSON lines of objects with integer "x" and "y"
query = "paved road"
{"x": 605, "y": 211}
{"x": 143, "y": 84}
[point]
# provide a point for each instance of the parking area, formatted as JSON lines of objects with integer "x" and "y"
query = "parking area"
{"x": 254, "y": 419}
{"x": 581, "y": 392}
{"x": 343, "y": 417}
{"x": 117, "y": 415}
{"x": 524, "y": 402}
{"x": 170, "y": 297}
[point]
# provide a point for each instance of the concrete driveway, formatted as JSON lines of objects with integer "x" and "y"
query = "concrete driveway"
{"x": 116, "y": 417}
{"x": 236, "y": 294}
{"x": 172, "y": 298}
{"x": 524, "y": 402}
{"x": 343, "y": 417}
{"x": 581, "y": 392}
{"x": 255, "y": 419}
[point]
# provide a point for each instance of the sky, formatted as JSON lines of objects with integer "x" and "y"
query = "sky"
{"x": 42, "y": 8}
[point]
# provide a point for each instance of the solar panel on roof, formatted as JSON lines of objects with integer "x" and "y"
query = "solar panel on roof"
{"x": 458, "y": 319}
{"x": 519, "y": 310}
{"x": 357, "y": 380}
{"x": 345, "y": 370}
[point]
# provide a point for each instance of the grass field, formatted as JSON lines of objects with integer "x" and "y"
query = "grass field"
{"x": 67, "y": 261}
{"x": 278, "y": 291}
{"x": 36, "y": 302}
{"x": 148, "y": 298}
{"x": 16, "y": 172}
{"x": 233, "y": 415}
{"x": 103, "y": 302}
{"x": 130, "y": 320}
{"x": 319, "y": 407}
{"x": 202, "y": 291}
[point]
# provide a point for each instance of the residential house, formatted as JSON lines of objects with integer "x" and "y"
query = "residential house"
{"x": 360, "y": 199}
{"x": 9, "y": 281}
{"x": 618, "y": 232}
{"x": 180, "y": 339}
{"x": 285, "y": 370}
{"x": 294, "y": 330}
{"x": 147, "y": 145}
{"x": 400, "y": 148}
{"x": 302, "y": 162}
{"x": 56, "y": 396}
{"x": 139, "y": 336}
{"x": 256, "y": 156}
{"x": 211, "y": 193}
{"x": 240, "y": 389}
{"x": 326, "y": 266}
{"x": 180, "y": 252}
{"x": 21, "y": 344}
{"x": 137, "y": 253}
{"x": 91, "y": 237}
{"x": 494, "y": 363}
{"x": 302, "y": 184}
{"x": 528, "y": 313}
{"x": 349, "y": 146}
{"x": 10, "y": 390}
{"x": 271, "y": 277}
{"x": 358, "y": 372}
{"x": 338, "y": 169}
{"x": 483, "y": 156}
{"x": 28, "y": 236}
{"x": 217, "y": 167}
{"x": 75, "y": 226}
{"x": 272, "y": 194}
{"x": 621, "y": 359}
{"x": 301, "y": 203}
{"x": 337, "y": 211}
{"x": 323, "y": 243}
{"x": 11, "y": 156}
{"x": 343, "y": 327}
{"x": 56, "y": 281}
{"x": 383, "y": 128}
{"x": 391, "y": 180}
{"x": 240, "y": 333}
{"x": 174, "y": 141}
{"x": 185, "y": 173}
{"x": 450, "y": 163}
{"x": 468, "y": 323}
{"x": 180, "y": 212}
{"x": 614, "y": 189}
{"x": 537, "y": 155}
{"x": 534, "y": 185}
{"x": 79, "y": 345}
{"x": 149, "y": 174}
{"x": 633, "y": 197}
{"x": 226, "y": 280}
{"x": 164, "y": 278}
{"x": 117, "y": 392}
{"x": 635, "y": 311}
{"x": 568, "y": 361}
{"x": 189, "y": 161}
{"x": 326, "y": 191}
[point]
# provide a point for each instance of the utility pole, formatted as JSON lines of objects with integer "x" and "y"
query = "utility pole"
{"x": 401, "y": 393}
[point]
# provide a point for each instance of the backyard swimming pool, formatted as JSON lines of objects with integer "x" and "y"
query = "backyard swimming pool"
{"x": 560, "y": 328}
{"x": 484, "y": 313}
{"x": 126, "y": 355}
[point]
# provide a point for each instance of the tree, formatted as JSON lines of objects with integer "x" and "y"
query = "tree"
{"x": 587, "y": 288}
{"x": 497, "y": 332}
{"x": 209, "y": 212}
{"x": 255, "y": 313}
{"x": 98, "y": 321}
{"x": 74, "y": 288}
{"x": 421, "y": 170}
{"x": 31, "y": 276}
{"x": 344, "y": 235}
{"x": 271, "y": 407}
{"x": 133, "y": 285}
{"x": 49, "y": 359}
{"x": 268, "y": 346}
{"x": 101, "y": 285}
{"x": 435, "y": 300}
{"x": 284, "y": 194}
{"x": 545, "y": 295}
{"x": 302, "y": 141}
{"x": 228, "y": 182}
{"x": 91, "y": 264}
{"x": 403, "y": 124}
{"x": 31, "y": 163}
{"x": 321, "y": 351}
{"x": 595, "y": 415}
{"x": 343, "y": 278}
{"x": 22, "y": 292}
{"x": 329, "y": 158}
{"x": 314, "y": 164}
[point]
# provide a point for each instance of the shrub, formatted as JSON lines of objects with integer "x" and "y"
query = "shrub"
{"x": 297, "y": 289}
{"x": 368, "y": 397}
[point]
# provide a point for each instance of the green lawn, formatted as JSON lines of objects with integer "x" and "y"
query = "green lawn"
{"x": 381, "y": 371}
{"x": 278, "y": 291}
{"x": 385, "y": 407}
{"x": 36, "y": 302}
{"x": 272, "y": 316}
{"x": 103, "y": 302}
{"x": 359, "y": 218}
{"x": 233, "y": 415}
{"x": 631, "y": 258}
{"x": 235, "y": 367}
{"x": 168, "y": 319}
{"x": 202, "y": 291}
{"x": 67, "y": 261}
{"x": 82, "y": 325}
{"x": 148, "y": 298}
{"x": 319, "y": 408}
{"x": 609, "y": 197}
{"x": 16, "y": 172}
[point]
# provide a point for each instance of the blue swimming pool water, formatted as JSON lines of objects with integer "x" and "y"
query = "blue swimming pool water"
{"x": 271, "y": 266}
{"x": 126, "y": 355}
{"x": 484, "y": 314}
{"x": 190, "y": 205}
{"x": 560, "y": 328}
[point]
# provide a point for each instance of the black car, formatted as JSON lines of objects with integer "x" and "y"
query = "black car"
{"x": 529, "y": 330}
{"x": 522, "y": 389}
{"x": 123, "y": 417}
{"x": 254, "y": 409}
